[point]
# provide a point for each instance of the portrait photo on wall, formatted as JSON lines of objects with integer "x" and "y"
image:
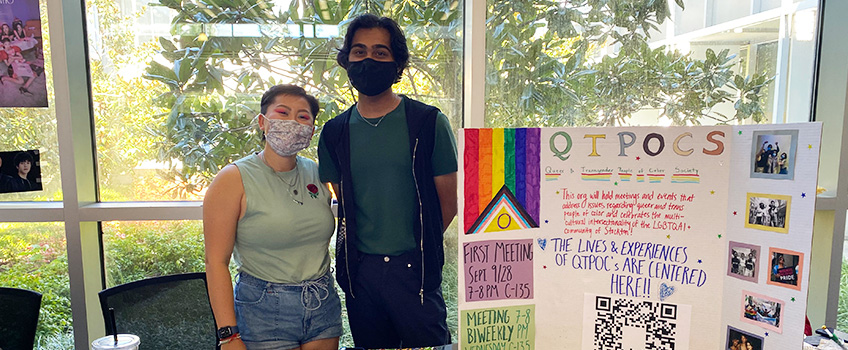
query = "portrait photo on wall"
{"x": 785, "y": 268}
{"x": 743, "y": 261}
{"x": 738, "y": 339}
{"x": 762, "y": 311}
{"x": 773, "y": 154}
{"x": 768, "y": 212}
{"x": 20, "y": 171}
{"x": 24, "y": 83}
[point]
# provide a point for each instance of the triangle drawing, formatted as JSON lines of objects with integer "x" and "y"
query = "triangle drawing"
{"x": 504, "y": 213}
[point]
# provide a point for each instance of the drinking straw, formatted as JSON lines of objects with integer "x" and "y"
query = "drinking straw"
{"x": 112, "y": 324}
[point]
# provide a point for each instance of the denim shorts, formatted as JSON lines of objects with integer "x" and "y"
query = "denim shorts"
{"x": 284, "y": 316}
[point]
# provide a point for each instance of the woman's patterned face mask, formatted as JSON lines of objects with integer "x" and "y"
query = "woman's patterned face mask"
{"x": 287, "y": 137}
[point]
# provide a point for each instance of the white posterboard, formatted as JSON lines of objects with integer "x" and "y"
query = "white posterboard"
{"x": 636, "y": 237}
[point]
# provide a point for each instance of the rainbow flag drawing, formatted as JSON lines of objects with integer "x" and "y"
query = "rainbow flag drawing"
{"x": 551, "y": 177}
{"x": 595, "y": 176}
{"x": 640, "y": 177}
{"x": 655, "y": 178}
{"x": 498, "y": 158}
{"x": 625, "y": 176}
{"x": 685, "y": 178}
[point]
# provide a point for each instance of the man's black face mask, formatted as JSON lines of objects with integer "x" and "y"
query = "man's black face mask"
{"x": 372, "y": 77}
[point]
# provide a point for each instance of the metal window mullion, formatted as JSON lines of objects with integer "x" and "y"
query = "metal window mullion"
{"x": 68, "y": 42}
{"x": 474, "y": 65}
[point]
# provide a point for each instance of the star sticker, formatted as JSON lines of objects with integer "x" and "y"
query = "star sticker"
{"x": 803, "y": 194}
{"x": 712, "y": 192}
{"x": 668, "y": 236}
{"x": 810, "y": 146}
{"x": 793, "y": 299}
{"x": 616, "y": 183}
{"x": 688, "y": 227}
{"x": 546, "y": 221}
{"x": 637, "y": 158}
{"x": 719, "y": 235}
{"x": 557, "y": 192}
{"x": 700, "y": 261}
{"x": 740, "y": 132}
{"x": 734, "y": 213}
{"x": 767, "y": 334}
{"x": 545, "y": 267}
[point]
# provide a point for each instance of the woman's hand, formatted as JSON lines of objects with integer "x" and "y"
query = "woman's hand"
{"x": 235, "y": 344}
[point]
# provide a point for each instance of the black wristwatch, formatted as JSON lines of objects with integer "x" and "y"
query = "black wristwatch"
{"x": 226, "y": 332}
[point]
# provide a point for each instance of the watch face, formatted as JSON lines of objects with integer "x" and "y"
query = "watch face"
{"x": 224, "y": 332}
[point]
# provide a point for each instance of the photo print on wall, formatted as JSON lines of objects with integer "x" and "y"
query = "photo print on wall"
{"x": 20, "y": 171}
{"x": 24, "y": 83}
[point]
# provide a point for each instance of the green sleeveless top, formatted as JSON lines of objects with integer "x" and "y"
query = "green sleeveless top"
{"x": 286, "y": 229}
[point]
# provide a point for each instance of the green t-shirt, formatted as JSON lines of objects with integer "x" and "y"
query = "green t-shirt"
{"x": 280, "y": 240}
{"x": 383, "y": 186}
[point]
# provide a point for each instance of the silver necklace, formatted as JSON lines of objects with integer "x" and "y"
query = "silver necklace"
{"x": 292, "y": 190}
{"x": 366, "y": 120}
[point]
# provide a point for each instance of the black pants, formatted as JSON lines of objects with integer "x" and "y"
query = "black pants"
{"x": 387, "y": 312}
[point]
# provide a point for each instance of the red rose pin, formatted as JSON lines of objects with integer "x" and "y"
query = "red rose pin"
{"x": 313, "y": 190}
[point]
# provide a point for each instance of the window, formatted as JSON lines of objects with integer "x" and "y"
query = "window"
{"x": 176, "y": 90}
{"x": 678, "y": 63}
{"x": 135, "y": 250}
{"x": 174, "y": 103}
{"x": 33, "y": 256}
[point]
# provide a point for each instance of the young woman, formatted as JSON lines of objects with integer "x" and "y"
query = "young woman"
{"x": 272, "y": 214}
{"x": 20, "y": 71}
{"x": 18, "y": 31}
{"x": 6, "y": 35}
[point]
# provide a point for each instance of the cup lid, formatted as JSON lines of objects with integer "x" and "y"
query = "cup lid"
{"x": 125, "y": 342}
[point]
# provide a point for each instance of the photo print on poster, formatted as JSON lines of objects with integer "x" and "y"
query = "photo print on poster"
{"x": 762, "y": 311}
{"x": 785, "y": 268}
{"x": 743, "y": 261}
{"x": 773, "y": 154}
{"x": 769, "y": 212}
{"x": 24, "y": 83}
{"x": 738, "y": 339}
{"x": 20, "y": 171}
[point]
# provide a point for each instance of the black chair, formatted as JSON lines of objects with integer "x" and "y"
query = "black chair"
{"x": 168, "y": 312}
{"x": 19, "y": 310}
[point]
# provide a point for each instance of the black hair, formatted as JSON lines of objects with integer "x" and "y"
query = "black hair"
{"x": 292, "y": 90}
{"x": 22, "y": 157}
{"x": 397, "y": 40}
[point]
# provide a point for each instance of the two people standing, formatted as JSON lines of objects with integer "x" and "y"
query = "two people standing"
{"x": 392, "y": 163}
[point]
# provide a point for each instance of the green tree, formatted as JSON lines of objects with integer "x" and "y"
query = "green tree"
{"x": 547, "y": 67}
{"x": 545, "y": 59}
{"x": 214, "y": 81}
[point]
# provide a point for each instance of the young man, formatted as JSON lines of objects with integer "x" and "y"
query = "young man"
{"x": 21, "y": 183}
{"x": 392, "y": 163}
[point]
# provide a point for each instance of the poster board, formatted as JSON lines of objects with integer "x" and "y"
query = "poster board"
{"x": 22, "y": 55}
{"x": 639, "y": 237}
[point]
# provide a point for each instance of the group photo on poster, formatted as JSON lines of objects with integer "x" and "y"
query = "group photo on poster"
{"x": 743, "y": 261}
{"x": 20, "y": 171}
{"x": 22, "y": 79}
{"x": 768, "y": 212}
{"x": 774, "y": 154}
